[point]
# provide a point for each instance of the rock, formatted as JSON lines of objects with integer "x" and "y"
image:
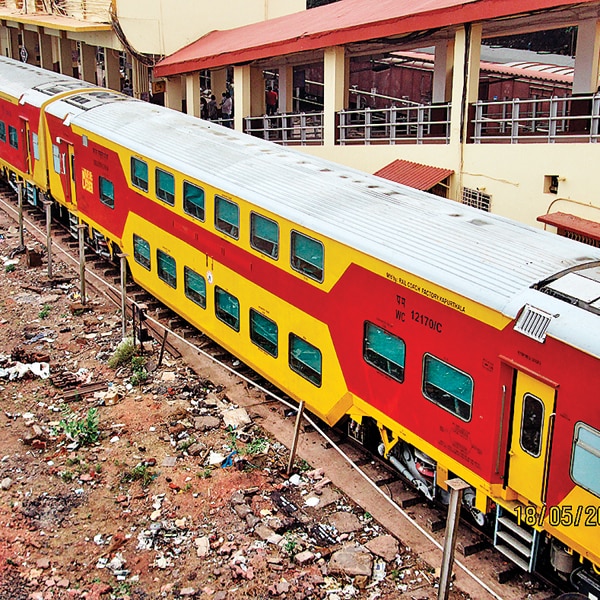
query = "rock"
{"x": 345, "y": 522}
{"x": 304, "y": 557}
{"x": 206, "y": 423}
{"x": 384, "y": 546}
{"x": 6, "y": 483}
{"x": 238, "y": 417}
{"x": 202, "y": 546}
{"x": 351, "y": 560}
{"x": 187, "y": 591}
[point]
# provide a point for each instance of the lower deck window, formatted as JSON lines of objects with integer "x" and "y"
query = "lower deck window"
{"x": 585, "y": 459}
{"x": 141, "y": 251}
{"x": 166, "y": 268}
{"x": 195, "y": 287}
{"x": 447, "y": 387}
{"x": 227, "y": 308}
{"x": 305, "y": 359}
{"x": 107, "y": 192}
{"x": 384, "y": 351}
{"x": 263, "y": 332}
{"x": 13, "y": 137}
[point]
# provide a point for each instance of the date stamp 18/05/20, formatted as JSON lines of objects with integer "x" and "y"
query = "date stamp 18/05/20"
{"x": 564, "y": 515}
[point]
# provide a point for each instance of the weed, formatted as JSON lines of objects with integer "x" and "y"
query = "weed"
{"x": 185, "y": 444}
{"x": 138, "y": 473}
{"x": 83, "y": 430}
{"x": 123, "y": 354}
{"x": 139, "y": 370}
{"x": 205, "y": 474}
{"x": 257, "y": 446}
{"x": 67, "y": 476}
{"x": 290, "y": 545}
{"x": 9, "y": 268}
{"x": 45, "y": 311}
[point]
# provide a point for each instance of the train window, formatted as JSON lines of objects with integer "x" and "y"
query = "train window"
{"x": 263, "y": 332}
{"x": 36, "y": 146}
{"x": 139, "y": 174}
{"x": 447, "y": 387}
{"x": 165, "y": 186}
{"x": 141, "y": 251}
{"x": 264, "y": 235}
{"x": 13, "y": 137}
{"x": 57, "y": 163}
{"x": 107, "y": 192}
{"x": 305, "y": 359}
{"x": 166, "y": 268}
{"x": 193, "y": 200}
{"x": 585, "y": 458}
{"x": 227, "y": 308}
{"x": 532, "y": 423}
{"x": 307, "y": 256}
{"x": 2, "y": 131}
{"x": 227, "y": 217}
{"x": 195, "y": 286}
{"x": 384, "y": 351}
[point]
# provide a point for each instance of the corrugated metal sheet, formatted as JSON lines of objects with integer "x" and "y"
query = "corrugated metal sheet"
{"x": 573, "y": 224}
{"x": 412, "y": 174}
{"x": 337, "y": 24}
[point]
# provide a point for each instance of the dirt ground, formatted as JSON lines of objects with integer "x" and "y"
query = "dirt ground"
{"x": 150, "y": 482}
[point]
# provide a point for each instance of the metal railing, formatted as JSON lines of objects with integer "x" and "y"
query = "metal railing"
{"x": 298, "y": 129}
{"x": 416, "y": 123}
{"x": 547, "y": 120}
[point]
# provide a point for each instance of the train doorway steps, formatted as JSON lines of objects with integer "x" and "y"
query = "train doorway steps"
{"x": 516, "y": 541}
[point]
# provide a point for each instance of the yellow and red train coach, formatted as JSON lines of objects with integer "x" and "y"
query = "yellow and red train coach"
{"x": 455, "y": 342}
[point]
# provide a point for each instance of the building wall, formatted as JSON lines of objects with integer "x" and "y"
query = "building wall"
{"x": 162, "y": 26}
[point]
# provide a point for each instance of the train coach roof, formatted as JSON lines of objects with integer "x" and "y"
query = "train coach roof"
{"x": 484, "y": 257}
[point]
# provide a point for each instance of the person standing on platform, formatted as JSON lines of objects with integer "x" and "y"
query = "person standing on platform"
{"x": 271, "y": 100}
{"x": 212, "y": 108}
{"x": 227, "y": 109}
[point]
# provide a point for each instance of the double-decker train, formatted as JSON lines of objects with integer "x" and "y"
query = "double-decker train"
{"x": 455, "y": 342}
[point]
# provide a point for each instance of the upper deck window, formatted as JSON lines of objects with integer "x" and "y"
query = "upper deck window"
{"x": 107, "y": 192}
{"x": 139, "y": 174}
{"x": 307, "y": 256}
{"x": 227, "y": 217}
{"x": 2, "y": 131}
{"x": 193, "y": 200}
{"x": 13, "y": 137}
{"x": 165, "y": 186}
{"x": 264, "y": 235}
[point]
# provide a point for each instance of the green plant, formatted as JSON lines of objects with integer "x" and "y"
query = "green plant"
{"x": 44, "y": 312}
{"x": 123, "y": 354}
{"x": 139, "y": 370}
{"x": 138, "y": 473}
{"x": 9, "y": 268}
{"x": 205, "y": 474}
{"x": 257, "y": 446}
{"x": 83, "y": 430}
{"x": 67, "y": 476}
{"x": 290, "y": 545}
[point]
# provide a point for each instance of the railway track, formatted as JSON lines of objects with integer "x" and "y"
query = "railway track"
{"x": 371, "y": 482}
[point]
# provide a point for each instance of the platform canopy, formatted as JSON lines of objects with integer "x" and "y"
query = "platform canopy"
{"x": 415, "y": 175}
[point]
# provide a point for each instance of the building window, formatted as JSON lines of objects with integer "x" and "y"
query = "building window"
{"x": 476, "y": 199}
{"x": 227, "y": 308}
{"x": 193, "y": 200}
{"x": 263, "y": 332}
{"x": 107, "y": 192}
{"x": 2, "y": 131}
{"x": 195, "y": 287}
{"x": 532, "y": 423}
{"x": 384, "y": 351}
{"x": 165, "y": 186}
{"x": 305, "y": 359}
{"x": 585, "y": 459}
{"x": 307, "y": 256}
{"x": 13, "y": 137}
{"x": 139, "y": 174}
{"x": 141, "y": 251}
{"x": 264, "y": 235}
{"x": 447, "y": 387}
{"x": 166, "y": 268}
{"x": 227, "y": 217}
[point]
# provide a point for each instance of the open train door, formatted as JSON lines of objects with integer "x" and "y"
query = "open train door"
{"x": 532, "y": 425}
{"x": 69, "y": 176}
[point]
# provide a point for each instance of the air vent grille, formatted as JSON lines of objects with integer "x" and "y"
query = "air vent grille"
{"x": 533, "y": 323}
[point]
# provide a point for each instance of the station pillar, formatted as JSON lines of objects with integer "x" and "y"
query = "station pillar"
{"x": 29, "y": 44}
{"x": 192, "y": 94}
{"x": 335, "y": 90}
{"x": 112, "y": 69}
{"x": 243, "y": 95}
{"x": 585, "y": 78}
{"x": 286, "y": 89}
{"x": 45, "y": 44}
{"x": 442, "y": 72}
{"x": 173, "y": 93}
{"x": 87, "y": 62}
{"x": 65, "y": 49}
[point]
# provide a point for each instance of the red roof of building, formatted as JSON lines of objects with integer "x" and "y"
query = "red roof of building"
{"x": 573, "y": 224}
{"x": 337, "y": 24}
{"x": 415, "y": 175}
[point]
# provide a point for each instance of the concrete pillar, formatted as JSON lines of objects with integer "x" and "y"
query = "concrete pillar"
{"x": 286, "y": 89}
{"x": 173, "y": 93}
{"x": 258, "y": 105}
{"x": 442, "y": 71}
{"x": 45, "y": 45}
{"x": 335, "y": 90}
{"x": 87, "y": 62}
{"x": 112, "y": 73}
{"x": 14, "y": 43}
{"x": 243, "y": 95}
{"x": 5, "y": 41}
{"x": 30, "y": 42}
{"x": 192, "y": 94}
{"x": 585, "y": 79}
{"x": 65, "y": 47}
{"x": 218, "y": 81}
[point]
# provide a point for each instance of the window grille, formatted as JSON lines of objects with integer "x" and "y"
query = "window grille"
{"x": 476, "y": 199}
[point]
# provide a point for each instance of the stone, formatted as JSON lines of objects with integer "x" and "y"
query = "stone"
{"x": 305, "y": 557}
{"x": 384, "y": 546}
{"x": 6, "y": 483}
{"x": 345, "y": 522}
{"x": 351, "y": 560}
{"x": 238, "y": 417}
{"x": 206, "y": 423}
{"x": 202, "y": 546}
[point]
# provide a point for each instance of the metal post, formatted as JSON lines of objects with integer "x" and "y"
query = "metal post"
{"x": 123, "y": 259}
{"x": 80, "y": 229}
{"x": 48, "y": 208}
{"x": 457, "y": 486}
{"x": 20, "y": 202}
{"x": 296, "y": 434}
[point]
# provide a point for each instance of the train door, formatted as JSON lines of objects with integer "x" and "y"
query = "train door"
{"x": 533, "y": 419}
{"x": 69, "y": 174}
{"x": 26, "y": 150}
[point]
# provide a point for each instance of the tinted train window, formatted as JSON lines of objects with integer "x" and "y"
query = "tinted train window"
{"x": 193, "y": 200}
{"x": 227, "y": 217}
{"x": 139, "y": 174}
{"x": 36, "y": 146}
{"x": 165, "y": 186}
{"x": 447, "y": 387}
{"x": 585, "y": 459}
{"x": 307, "y": 256}
{"x": 384, "y": 351}
{"x": 2, "y": 131}
{"x": 13, "y": 137}
{"x": 195, "y": 286}
{"x": 166, "y": 268}
{"x": 264, "y": 235}
{"x": 263, "y": 332}
{"x": 141, "y": 251}
{"x": 532, "y": 422}
{"x": 107, "y": 192}
{"x": 305, "y": 359}
{"x": 227, "y": 308}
